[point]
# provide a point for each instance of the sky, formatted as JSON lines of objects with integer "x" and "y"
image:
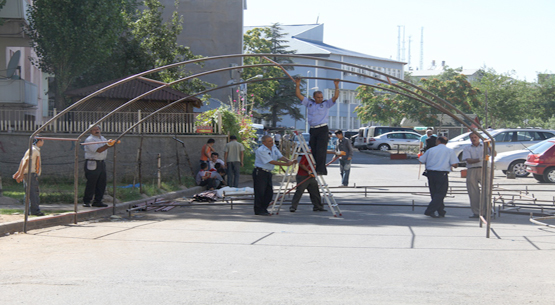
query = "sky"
{"x": 507, "y": 36}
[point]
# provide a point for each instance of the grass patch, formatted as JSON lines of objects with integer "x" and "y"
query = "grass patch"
{"x": 22, "y": 211}
{"x": 62, "y": 191}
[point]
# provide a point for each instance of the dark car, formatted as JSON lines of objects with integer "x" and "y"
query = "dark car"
{"x": 541, "y": 163}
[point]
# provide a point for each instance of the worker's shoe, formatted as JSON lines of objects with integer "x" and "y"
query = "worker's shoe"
{"x": 292, "y": 209}
{"x": 99, "y": 205}
{"x": 319, "y": 210}
{"x": 87, "y": 205}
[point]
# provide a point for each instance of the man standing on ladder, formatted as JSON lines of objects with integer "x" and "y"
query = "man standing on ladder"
{"x": 318, "y": 121}
{"x": 266, "y": 156}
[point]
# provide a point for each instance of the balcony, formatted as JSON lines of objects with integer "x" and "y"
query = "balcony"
{"x": 18, "y": 92}
{"x": 15, "y": 10}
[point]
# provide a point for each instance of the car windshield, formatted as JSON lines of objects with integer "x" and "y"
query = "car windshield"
{"x": 542, "y": 147}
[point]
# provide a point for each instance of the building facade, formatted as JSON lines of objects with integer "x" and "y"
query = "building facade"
{"x": 307, "y": 39}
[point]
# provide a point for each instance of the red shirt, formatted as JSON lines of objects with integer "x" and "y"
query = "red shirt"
{"x": 304, "y": 161}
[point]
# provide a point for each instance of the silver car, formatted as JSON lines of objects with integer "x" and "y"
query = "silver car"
{"x": 513, "y": 161}
{"x": 509, "y": 139}
{"x": 394, "y": 139}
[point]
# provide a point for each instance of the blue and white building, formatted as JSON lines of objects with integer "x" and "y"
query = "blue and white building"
{"x": 307, "y": 39}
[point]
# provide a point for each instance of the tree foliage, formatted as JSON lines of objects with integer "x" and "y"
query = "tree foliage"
{"x": 508, "y": 99}
{"x": 70, "y": 36}
{"x": 96, "y": 41}
{"x": 273, "y": 98}
{"x": 233, "y": 123}
{"x": 386, "y": 107}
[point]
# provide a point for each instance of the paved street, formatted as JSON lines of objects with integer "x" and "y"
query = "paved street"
{"x": 379, "y": 252}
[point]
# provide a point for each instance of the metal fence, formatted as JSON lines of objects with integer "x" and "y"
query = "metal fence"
{"x": 78, "y": 121}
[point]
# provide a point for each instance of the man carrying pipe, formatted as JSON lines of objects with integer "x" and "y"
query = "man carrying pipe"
{"x": 95, "y": 167}
{"x": 318, "y": 109}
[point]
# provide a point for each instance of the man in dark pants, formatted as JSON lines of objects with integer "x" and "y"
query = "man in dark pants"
{"x": 439, "y": 160}
{"x": 318, "y": 109}
{"x": 266, "y": 156}
{"x": 95, "y": 168}
{"x": 311, "y": 185}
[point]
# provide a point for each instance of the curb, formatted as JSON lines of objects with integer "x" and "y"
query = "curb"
{"x": 68, "y": 218}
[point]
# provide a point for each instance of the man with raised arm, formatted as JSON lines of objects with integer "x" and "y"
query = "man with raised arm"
{"x": 318, "y": 109}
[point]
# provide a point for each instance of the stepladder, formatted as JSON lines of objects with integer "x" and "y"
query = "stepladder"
{"x": 300, "y": 148}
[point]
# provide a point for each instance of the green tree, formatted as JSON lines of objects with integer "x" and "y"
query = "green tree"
{"x": 146, "y": 43}
{"x": 508, "y": 99}
{"x": 545, "y": 98}
{"x": 71, "y": 36}
{"x": 384, "y": 106}
{"x": 273, "y": 98}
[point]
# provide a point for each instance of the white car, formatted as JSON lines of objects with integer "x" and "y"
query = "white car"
{"x": 513, "y": 161}
{"x": 394, "y": 139}
{"x": 508, "y": 139}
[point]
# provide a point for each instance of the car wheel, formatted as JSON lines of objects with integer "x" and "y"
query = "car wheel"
{"x": 549, "y": 175}
{"x": 518, "y": 168}
{"x": 539, "y": 177}
{"x": 384, "y": 147}
{"x": 504, "y": 172}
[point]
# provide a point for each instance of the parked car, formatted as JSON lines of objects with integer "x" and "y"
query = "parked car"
{"x": 542, "y": 162}
{"x": 508, "y": 139}
{"x": 365, "y": 133}
{"x": 353, "y": 139}
{"x": 513, "y": 161}
{"x": 390, "y": 140}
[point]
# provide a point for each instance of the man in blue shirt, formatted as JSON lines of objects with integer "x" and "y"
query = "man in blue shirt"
{"x": 318, "y": 109}
{"x": 439, "y": 160}
{"x": 266, "y": 157}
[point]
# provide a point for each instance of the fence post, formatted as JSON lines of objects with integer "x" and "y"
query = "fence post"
{"x": 54, "y": 112}
{"x": 159, "y": 171}
{"x": 138, "y": 119}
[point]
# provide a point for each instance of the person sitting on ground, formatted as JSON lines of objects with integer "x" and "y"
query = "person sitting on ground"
{"x": 214, "y": 160}
{"x": 211, "y": 180}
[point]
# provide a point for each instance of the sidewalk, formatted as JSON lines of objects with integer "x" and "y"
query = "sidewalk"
{"x": 14, "y": 223}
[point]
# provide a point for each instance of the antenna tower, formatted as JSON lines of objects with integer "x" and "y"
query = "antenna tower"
{"x": 421, "y": 48}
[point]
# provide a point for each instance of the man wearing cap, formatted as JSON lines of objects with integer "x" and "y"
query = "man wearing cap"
{"x": 22, "y": 174}
{"x": 266, "y": 157}
{"x": 95, "y": 168}
{"x": 318, "y": 109}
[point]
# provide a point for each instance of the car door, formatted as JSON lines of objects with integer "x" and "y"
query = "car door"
{"x": 394, "y": 139}
{"x": 412, "y": 139}
{"x": 504, "y": 141}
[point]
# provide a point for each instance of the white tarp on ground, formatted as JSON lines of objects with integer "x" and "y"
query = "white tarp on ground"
{"x": 234, "y": 191}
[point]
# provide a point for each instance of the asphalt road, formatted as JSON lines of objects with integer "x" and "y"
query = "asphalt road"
{"x": 380, "y": 251}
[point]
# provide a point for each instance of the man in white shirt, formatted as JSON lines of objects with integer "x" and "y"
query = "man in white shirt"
{"x": 95, "y": 168}
{"x": 473, "y": 155}
{"x": 439, "y": 161}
